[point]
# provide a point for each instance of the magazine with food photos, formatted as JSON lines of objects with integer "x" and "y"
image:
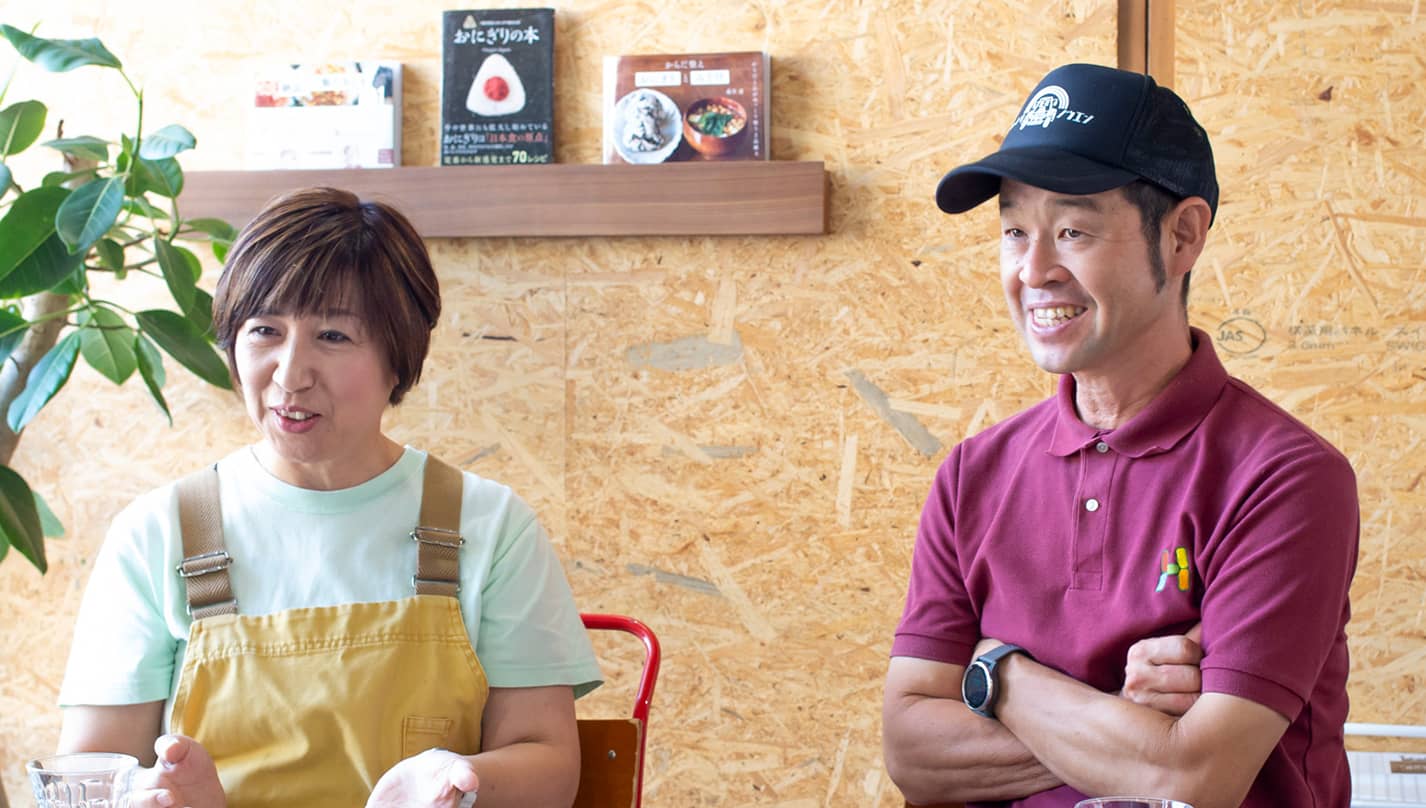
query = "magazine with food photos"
{"x": 326, "y": 115}
{"x": 497, "y": 86}
{"x": 661, "y": 108}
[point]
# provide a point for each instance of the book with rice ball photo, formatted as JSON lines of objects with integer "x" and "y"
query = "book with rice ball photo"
{"x": 661, "y": 108}
{"x": 497, "y": 86}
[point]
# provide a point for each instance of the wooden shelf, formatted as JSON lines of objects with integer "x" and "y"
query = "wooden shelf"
{"x": 674, "y": 199}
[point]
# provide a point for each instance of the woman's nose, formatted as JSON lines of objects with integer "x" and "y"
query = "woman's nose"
{"x": 294, "y": 370}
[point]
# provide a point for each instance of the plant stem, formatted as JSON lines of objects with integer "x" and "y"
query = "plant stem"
{"x": 45, "y": 311}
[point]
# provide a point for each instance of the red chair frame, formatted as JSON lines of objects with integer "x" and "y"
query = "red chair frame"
{"x": 644, "y": 694}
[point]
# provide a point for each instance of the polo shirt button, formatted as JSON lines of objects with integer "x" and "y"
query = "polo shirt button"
{"x": 1101, "y": 447}
{"x": 1091, "y": 504}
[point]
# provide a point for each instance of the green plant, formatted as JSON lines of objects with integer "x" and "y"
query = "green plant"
{"x": 113, "y": 211}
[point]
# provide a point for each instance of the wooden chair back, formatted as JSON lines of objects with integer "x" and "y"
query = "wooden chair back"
{"x": 611, "y": 750}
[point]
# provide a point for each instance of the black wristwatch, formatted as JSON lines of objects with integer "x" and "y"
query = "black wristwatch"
{"x": 980, "y": 686}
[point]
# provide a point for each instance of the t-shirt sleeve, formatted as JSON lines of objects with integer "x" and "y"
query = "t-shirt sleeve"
{"x": 939, "y": 622}
{"x": 1276, "y": 584}
{"x": 124, "y": 648}
{"x": 530, "y": 632}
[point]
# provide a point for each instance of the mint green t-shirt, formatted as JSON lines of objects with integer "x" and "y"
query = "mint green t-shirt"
{"x": 293, "y": 547}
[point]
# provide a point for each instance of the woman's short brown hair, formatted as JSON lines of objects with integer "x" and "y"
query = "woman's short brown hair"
{"x": 320, "y": 250}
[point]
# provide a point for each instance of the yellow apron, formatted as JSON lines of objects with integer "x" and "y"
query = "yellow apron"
{"x": 310, "y": 706}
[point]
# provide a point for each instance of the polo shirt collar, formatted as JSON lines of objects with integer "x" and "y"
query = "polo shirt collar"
{"x": 1172, "y": 415}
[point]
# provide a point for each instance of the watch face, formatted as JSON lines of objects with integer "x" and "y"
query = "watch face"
{"x": 975, "y": 686}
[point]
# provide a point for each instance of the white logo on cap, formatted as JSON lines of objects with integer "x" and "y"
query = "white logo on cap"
{"x": 1050, "y": 104}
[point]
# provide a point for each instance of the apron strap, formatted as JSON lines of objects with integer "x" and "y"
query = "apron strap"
{"x": 437, "y": 533}
{"x": 204, "y": 568}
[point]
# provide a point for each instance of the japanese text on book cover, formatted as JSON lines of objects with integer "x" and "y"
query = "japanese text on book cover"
{"x": 497, "y": 86}
{"x": 690, "y": 106}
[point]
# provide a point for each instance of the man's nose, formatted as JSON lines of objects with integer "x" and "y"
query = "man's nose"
{"x": 1040, "y": 263}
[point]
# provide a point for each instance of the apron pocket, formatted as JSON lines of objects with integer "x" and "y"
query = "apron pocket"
{"x": 422, "y": 732}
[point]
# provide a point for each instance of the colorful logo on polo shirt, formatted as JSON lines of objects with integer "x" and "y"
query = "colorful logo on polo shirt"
{"x": 1174, "y": 565}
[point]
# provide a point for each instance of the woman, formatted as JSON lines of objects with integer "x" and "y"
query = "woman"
{"x": 329, "y": 659}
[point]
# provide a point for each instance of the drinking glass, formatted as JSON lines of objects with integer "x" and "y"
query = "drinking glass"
{"x": 1131, "y": 802}
{"x": 82, "y": 780}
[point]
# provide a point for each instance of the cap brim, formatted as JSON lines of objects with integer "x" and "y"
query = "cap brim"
{"x": 1052, "y": 169}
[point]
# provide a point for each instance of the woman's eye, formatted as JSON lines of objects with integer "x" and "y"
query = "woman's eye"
{"x": 262, "y": 331}
{"x": 333, "y": 336}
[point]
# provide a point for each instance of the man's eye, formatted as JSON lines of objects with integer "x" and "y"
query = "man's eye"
{"x": 1071, "y": 233}
{"x": 1014, "y": 232}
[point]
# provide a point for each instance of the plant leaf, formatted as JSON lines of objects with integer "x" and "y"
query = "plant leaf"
{"x": 4, "y": 178}
{"x": 75, "y": 283}
{"x": 107, "y": 343}
{"x": 181, "y": 269}
{"x": 139, "y": 206}
{"x": 220, "y": 250}
{"x": 151, "y": 371}
{"x": 27, "y": 224}
{"x": 51, "y": 264}
{"x": 60, "y": 55}
{"x": 163, "y": 177}
{"x": 166, "y": 142}
{"x": 217, "y": 228}
{"x": 89, "y": 212}
{"x": 181, "y": 340}
{"x": 111, "y": 254}
{"x": 19, "y": 519}
{"x": 20, "y": 125}
{"x": 11, "y": 320}
{"x": 46, "y": 379}
{"x": 84, "y": 148}
{"x": 176, "y": 273}
{"x": 62, "y": 177}
{"x": 49, "y": 523}
{"x": 200, "y": 314}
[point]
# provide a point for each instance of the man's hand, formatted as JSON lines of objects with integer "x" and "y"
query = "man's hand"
{"x": 1163, "y": 672}
{"x": 436, "y": 778}
{"x": 183, "y": 777}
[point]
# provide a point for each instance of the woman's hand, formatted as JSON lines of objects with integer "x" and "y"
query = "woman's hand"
{"x": 436, "y": 778}
{"x": 183, "y": 777}
{"x": 1163, "y": 673}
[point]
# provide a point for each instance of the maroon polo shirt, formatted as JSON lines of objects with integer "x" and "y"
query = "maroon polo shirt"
{"x": 1048, "y": 533}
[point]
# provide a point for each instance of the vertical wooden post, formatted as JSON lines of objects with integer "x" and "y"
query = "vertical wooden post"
{"x": 1146, "y": 33}
{"x": 1133, "y": 35}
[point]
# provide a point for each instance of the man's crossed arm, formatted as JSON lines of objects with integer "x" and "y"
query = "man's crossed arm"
{"x": 1159, "y": 736}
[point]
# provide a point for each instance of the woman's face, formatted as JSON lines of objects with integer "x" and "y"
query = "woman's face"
{"x": 316, "y": 387}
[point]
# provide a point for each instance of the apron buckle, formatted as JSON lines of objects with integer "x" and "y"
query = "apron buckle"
{"x": 204, "y": 563}
{"x": 437, "y": 536}
{"x": 451, "y": 588}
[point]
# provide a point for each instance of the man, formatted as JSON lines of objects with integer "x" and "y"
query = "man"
{"x": 1155, "y": 531}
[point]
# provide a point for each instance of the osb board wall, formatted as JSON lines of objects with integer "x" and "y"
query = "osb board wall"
{"x": 731, "y": 438}
{"x": 1319, "y": 119}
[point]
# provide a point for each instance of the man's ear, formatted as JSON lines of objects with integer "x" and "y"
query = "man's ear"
{"x": 1185, "y": 230}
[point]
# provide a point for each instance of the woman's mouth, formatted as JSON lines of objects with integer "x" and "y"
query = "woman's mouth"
{"x": 295, "y": 419}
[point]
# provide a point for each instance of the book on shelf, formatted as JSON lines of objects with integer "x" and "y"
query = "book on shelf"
{"x": 497, "y": 86}
{"x": 326, "y": 115}
{"x": 686, "y": 106}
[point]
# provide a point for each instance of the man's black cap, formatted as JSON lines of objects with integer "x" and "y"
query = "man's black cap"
{"x": 1086, "y": 129}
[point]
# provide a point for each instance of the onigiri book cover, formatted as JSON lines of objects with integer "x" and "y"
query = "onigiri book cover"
{"x": 497, "y": 86}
